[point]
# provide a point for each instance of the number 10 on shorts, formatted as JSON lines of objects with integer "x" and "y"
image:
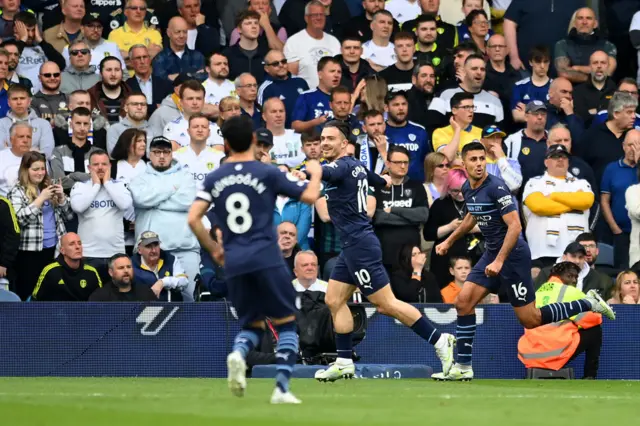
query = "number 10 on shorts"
{"x": 364, "y": 278}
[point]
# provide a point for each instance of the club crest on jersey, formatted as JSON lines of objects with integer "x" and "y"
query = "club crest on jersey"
{"x": 210, "y": 166}
{"x": 407, "y": 193}
{"x": 575, "y": 171}
{"x": 412, "y": 137}
{"x": 440, "y": 31}
{"x": 83, "y": 283}
{"x": 355, "y": 132}
{"x": 526, "y": 150}
{"x": 436, "y": 61}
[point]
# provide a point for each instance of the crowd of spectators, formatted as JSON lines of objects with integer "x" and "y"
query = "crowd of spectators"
{"x": 110, "y": 116}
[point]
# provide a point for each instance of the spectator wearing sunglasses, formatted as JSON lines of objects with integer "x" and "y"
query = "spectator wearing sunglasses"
{"x": 279, "y": 83}
{"x": 80, "y": 74}
{"x": 49, "y": 101}
{"x": 92, "y": 28}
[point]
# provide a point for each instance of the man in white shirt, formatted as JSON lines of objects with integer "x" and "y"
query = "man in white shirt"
{"x": 217, "y": 86}
{"x": 100, "y": 48}
{"x": 304, "y": 49}
{"x": 379, "y": 51}
{"x": 287, "y": 145}
{"x": 192, "y": 102}
{"x": 21, "y": 135}
{"x": 305, "y": 268}
{"x": 100, "y": 204}
{"x": 200, "y": 158}
{"x": 404, "y": 10}
{"x": 135, "y": 107}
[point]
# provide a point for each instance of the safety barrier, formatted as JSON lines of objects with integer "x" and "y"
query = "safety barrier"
{"x": 192, "y": 340}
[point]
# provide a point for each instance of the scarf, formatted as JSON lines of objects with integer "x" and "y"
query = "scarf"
{"x": 78, "y": 154}
{"x": 365, "y": 155}
{"x": 176, "y": 100}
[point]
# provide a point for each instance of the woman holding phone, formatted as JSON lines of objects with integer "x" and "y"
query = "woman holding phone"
{"x": 41, "y": 209}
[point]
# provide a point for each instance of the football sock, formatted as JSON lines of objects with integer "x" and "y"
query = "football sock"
{"x": 559, "y": 311}
{"x": 344, "y": 346}
{"x": 426, "y": 330}
{"x": 465, "y": 332}
{"x": 246, "y": 340}
{"x": 286, "y": 354}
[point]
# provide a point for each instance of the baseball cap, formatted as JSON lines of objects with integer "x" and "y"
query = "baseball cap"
{"x": 575, "y": 248}
{"x": 264, "y": 136}
{"x": 492, "y": 130}
{"x": 557, "y": 149}
{"x": 150, "y": 237}
{"x": 160, "y": 141}
{"x": 90, "y": 18}
{"x": 534, "y": 106}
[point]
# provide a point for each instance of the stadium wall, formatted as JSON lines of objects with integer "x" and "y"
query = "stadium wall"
{"x": 192, "y": 340}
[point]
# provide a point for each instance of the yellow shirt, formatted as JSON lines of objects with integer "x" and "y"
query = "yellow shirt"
{"x": 124, "y": 37}
{"x": 442, "y": 136}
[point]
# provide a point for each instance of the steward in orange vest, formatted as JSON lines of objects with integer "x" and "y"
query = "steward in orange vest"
{"x": 552, "y": 346}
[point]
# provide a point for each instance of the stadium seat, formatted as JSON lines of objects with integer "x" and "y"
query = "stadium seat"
{"x": 605, "y": 256}
{"x": 542, "y": 373}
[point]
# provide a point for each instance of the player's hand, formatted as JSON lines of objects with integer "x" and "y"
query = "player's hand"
{"x": 443, "y": 248}
{"x": 314, "y": 168}
{"x": 387, "y": 179}
{"x": 218, "y": 251}
{"x": 298, "y": 174}
{"x": 493, "y": 269}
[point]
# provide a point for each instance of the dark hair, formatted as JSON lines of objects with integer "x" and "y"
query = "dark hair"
{"x": 97, "y": 151}
{"x": 310, "y": 136}
{"x": 194, "y": 85}
{"x": 393, "y": 148}
{"x": 81, "y": 111}
{"x": 404, "y": 35}
{"x": 465, "y": 46}
{"x": 132, "y": 94}
{"x": 341, "y": 126}
{"x": 370, "y": 114}
{"x": 539, "y": 53}
{"x": 123, "y": 145}
{"x": 326, "y": 60}
{"x": 394, "y": 94}
{"x": 337, "y": 91}
{"x": 562, "y": 268}
{"x": 351, "y": 38}
{"x": 212, "y": 54}
{"x": 473, "y": 15}
{"x": 458, "y": 98}
{"x": 474, "y": 56}
{"x": 472, "y": 146}
{"x": 237, "y": 131}
{"x": 454, "y": 259}
{"x": 356, "y": 146}
{"x": 27, "y": 18}
{"x": 115, "y": 257}
{"x": 404, "y": 258}
{"x": 246, "y": 14}
{"x": 425, "y": 17}
{"x": 18, "y": 88}
{"x": 626, "y": 80}
{"x": 107, "y": 59}
{"x": 12, "y": 42}
{"x": 586, "y": 236}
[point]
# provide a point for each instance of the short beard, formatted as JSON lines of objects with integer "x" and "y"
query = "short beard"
{"x": 110, "y": 86}
{"x": 120, "y": 284}
{"x": 161, "y": 168}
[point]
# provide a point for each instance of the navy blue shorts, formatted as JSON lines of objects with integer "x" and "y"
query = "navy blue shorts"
{"x": 361, "y": 265}
{"x": 262, "y": 293}
{"x": 515, "y": 275}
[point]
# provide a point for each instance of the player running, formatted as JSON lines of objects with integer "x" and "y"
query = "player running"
{"x": 506, "y": 262}
{"x": 360, "y": 262}
{"x": 243, "y": 193}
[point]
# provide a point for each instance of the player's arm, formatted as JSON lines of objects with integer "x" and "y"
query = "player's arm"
{"x": 196, "y": 213}
{"x": 514, "y": 228}
{"x": 376, "y": 180}
{"x": 312, "y": 192}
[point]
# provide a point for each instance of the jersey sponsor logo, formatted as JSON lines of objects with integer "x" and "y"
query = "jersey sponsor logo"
{"x": 238, "y": 179}
{"x": 102, "y": 204}
{"x": 398, "y": 203}
{"x": 106, "y": 2}
{"x": 155, "y": 318}
{"x": 410, "y": 146}
{"x": 483, "y": 220}
{"x": 199, "y": 177}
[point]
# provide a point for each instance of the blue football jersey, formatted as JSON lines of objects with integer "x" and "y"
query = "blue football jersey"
{"x": 488, "y": 203}
{"x": 243, "y": 196}
{"x": 525, "y": 91}
{"x": 347, "y": 184}
{"x": 311, "y": 104}
{"x": 413, "y": 137}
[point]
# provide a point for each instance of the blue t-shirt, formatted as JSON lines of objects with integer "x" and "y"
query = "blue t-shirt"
{"x": 413, "y": 137}
{"x": 287, "y": 91}
{"x": 49, "y": 222}
{"x": 243, "y": 196}
{"x": 525, "y": 91}
{"x": 312, "y": 104}
{"x": 346, "y": 193}
{"x": 488, "y": 203}
{"x": 616, "y": 179}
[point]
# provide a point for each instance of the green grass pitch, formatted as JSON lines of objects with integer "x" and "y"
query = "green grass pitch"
{"x": 191, "y": 402}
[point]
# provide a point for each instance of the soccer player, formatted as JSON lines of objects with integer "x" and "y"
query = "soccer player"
{"x": 506, "y": 262}
{"x": 243, "y": 192}
{"x": 360, "y": 262}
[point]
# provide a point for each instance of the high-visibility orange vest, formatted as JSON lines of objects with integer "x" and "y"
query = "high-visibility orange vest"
{"x": 552, "y": 345}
